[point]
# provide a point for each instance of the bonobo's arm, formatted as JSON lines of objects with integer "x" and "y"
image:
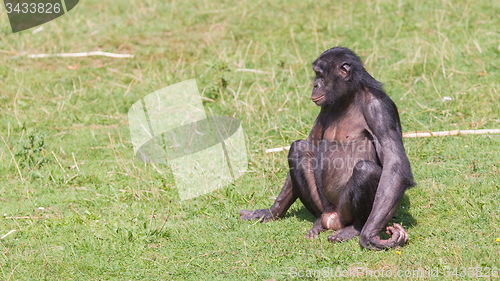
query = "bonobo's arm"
{"x": 383, "y": 120}
{"x": 316, "y": 134}
{"x": 287, "y": 195}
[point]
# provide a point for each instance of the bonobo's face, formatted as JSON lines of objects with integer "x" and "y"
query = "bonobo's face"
{"x": 333, "y": 77}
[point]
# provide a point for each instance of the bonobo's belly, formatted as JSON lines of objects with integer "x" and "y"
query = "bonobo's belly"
{"x": 335, "y": 162}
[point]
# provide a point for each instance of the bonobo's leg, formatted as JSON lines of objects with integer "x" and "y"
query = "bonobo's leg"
{"x": 356, "y": 201}
{"x": 303, "y": 163}
{"x": 300, "y": 183}
{"x": 284, "y": 200}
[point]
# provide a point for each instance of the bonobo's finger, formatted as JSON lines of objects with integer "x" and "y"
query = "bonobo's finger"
{"x": 398, "y": 226}
{"x": 399, "y": 237}
{"x": 400, "y": 231}
{"x": 395, "y": 236}
{"x": 390, "y": 230}
{"x": 404, "y": 234}
{"x": 401, "y": 240}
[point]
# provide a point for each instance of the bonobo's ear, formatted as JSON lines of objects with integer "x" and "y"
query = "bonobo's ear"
{"x": 345, "y": 71}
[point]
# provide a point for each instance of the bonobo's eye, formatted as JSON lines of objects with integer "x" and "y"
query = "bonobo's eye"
{"x": 345, "y": 70}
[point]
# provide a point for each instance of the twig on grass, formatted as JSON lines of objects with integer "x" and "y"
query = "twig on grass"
{"x": 13, "y": 158}
{"x": 87, "y": 54}
{"x": 76, "y": 164}
{"x": 59, "y": 163}
{"x": 251, "y": 70}
{"x": 9, "y": 233}
{"x": 26, "y": 217}
{"x": 71, "y": 178}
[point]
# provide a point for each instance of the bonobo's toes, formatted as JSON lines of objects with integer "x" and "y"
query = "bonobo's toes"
{"x": 311, "y": 234}
{"x": 344, "y": 234}
{"x": 316, "y": 229}
{"x": 335, "y": 238}
{"x": 263, "y": 214}
{"x": 245, "y": 213}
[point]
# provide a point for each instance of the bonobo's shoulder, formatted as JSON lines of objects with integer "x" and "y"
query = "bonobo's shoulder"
{"x": 380, "y": 112}
{"x": 377, "y": 101}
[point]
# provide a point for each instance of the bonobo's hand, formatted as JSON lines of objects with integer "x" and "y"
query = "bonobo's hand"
{"x": 264, "y": 214}
{"x": 399, "y": 237}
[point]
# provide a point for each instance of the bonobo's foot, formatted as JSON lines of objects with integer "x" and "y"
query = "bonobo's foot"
{"x": 315, "y": 230}
{"x": 399, "y": 237}
{"x": 264, "y": 215}
{"x": 344, "y": 234}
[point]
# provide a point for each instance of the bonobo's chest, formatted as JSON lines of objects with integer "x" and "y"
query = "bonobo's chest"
{"x": 346, "y": 140}
{"x": 346, "y": 127}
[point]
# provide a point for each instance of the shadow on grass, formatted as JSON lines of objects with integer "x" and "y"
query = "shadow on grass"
{"x": 403, "y": 216}
{"x": 301, "y": 214}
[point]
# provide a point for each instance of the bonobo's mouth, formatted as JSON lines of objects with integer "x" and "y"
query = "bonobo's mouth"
{"x": 317, "y": 98}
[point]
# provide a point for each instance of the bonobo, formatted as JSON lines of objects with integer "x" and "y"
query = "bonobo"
{"x": 352, "y": 170}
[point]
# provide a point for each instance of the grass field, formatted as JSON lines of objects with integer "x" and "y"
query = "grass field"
{"x": 84, "y": 209}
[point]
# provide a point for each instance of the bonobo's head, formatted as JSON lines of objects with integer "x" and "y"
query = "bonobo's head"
{"x": 339, "y": 74}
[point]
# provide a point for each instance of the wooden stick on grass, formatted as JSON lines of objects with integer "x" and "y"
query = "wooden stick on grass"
{"x": 450, "y": 133}
{"x": 421, "y": 135}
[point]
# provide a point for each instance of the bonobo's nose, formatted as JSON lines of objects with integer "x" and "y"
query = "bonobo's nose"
{"x": 315, "y": 85}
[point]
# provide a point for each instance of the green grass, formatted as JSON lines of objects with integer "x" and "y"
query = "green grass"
{"x": 106, "y": 216}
